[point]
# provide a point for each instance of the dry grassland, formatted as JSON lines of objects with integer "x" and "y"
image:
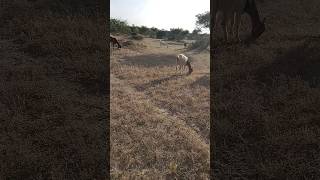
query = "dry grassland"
{"x": 52, "y": 93}
{"x": 159, "y": 118}
{"x": 267, "y": 98}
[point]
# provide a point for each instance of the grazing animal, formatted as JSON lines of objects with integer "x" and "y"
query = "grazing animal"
{"x": 182, "y": 62}
{"x": 258, "y": 27}
{"x": 114, "y": 41}
{"x": 227, "y": 13}
{"x": 162, "y": 43}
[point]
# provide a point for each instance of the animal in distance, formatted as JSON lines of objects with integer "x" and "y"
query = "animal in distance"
{"x": 182, "y": 61}
{"x": 162, "y": 43}
{"x": 114, "y": 42}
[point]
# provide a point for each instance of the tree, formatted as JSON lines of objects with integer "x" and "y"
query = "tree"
{"x": 177, "y": 34}
{"x": 161, "y": 34}
{"x": 153, "y": 32}
{"x": 203, "y": 20}
{"x": 144, "y": 30}
{"x": 184, "y": 33}
{"x": 134, "y": 30}
{"x": 118, "y": 26}
{"x": 196, "y": 31}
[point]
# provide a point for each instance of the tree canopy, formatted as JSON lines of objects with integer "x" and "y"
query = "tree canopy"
{"x": 203, "y": 20}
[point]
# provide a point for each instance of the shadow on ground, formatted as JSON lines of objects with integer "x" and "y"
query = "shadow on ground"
{"x": 302, "y": 61}
{"x": 202, "y": 81}
{"x": 150, "y": 60}
{"x": 155, "y": 82}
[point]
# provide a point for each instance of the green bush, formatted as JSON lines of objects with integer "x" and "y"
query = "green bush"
{"x": 201, "y": 43}
{"x": 119, "y": 26}
{"x": 136, "y": 36}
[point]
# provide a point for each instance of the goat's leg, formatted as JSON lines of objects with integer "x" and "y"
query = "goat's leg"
{"x": 233, "y": 26}
{"x": 225, "y": 25}
{"x": 225, "y": 32}
{"x": 186, "y": 65}
{"x": 177, "y": 64}
{"x": 189, "y": 68}
{"x": 229, "y": 28}
{"x": 220, "y": 23}
{"x": 214, "y": 25}
{"x": 226, "y": 29}
{"x": 237, "y": 21}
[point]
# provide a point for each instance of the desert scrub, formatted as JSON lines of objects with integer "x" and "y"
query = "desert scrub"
{"x": 201, "y": 43}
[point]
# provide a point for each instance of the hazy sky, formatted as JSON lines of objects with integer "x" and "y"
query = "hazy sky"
{"x": 162, "y": 14}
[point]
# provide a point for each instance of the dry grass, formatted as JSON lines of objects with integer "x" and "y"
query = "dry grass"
{"x": 159, "y": 119}
{"x": 267, "y": 99}
{"x": 52, "y": 94}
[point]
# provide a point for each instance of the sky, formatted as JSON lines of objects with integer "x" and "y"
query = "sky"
{"x": 162, "y": 14}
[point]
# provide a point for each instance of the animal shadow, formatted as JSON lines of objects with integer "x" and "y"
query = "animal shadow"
{"x": 302, "y": 61}
{"x": 155, "y": 82}
{"x": 202, "y": 81}
{"x": 151, "y": 60}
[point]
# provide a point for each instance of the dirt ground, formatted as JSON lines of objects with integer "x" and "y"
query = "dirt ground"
{"x": 159, "y": 117}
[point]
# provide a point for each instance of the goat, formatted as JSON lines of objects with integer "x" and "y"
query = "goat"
{"x": 183, "y": 61}
{"x": 162, "y": 43}
{"x": 114, "y": 41}
{"x": 228, "y": 14}
{"x": 258, "y": 27}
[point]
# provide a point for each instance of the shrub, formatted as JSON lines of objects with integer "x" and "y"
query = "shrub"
{"x": 201, "y": 43}
{"x": 137, "y": 36}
